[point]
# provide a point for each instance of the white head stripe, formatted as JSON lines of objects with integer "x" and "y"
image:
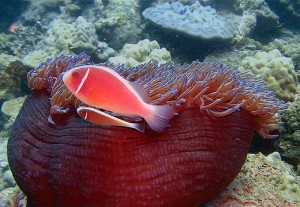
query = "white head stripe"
{"x": 83, "y": 80}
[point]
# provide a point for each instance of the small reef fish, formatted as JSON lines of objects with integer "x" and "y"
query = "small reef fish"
{"x": 12, "y": 27}
{"x": 102, "y": 87}
{"x": 101, "y": 118}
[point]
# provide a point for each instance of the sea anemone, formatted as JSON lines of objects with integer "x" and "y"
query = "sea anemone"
{"x": 215, "y": 88}
{"x": 48, "y": 76}
{"x": 76, "y": 163}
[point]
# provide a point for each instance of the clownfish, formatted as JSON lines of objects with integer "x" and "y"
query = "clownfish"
{"x": 103, "y": 88}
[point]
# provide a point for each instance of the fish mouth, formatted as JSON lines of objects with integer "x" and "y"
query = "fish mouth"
{"x": 64, "y": 76}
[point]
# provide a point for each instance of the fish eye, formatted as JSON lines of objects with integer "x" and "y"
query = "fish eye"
{"x": 75, "y": 75}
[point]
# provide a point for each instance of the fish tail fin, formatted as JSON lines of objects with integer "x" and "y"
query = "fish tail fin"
{"x": 160, "y": 117}
{"x": 138, "y": 126}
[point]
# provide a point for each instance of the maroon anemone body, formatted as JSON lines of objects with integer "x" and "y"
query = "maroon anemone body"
{"x": 80, "y": 164}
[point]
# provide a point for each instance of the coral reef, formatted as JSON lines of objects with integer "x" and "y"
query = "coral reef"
{"x": 288, "y": 10}
{"x": 277, "y": 70}
{"x": 263, "y": 181}
{"x": 234, "y": 55}
{"x": 230, "y": 5}
{"x": 42, "y": 11}
{"x": 289, "y": 45}
{"x": 72, "y": 10}
{"x": 11, "y": 109}
{"x": 9, "y": 12}
{"x": 25, "y": 38}
{"x": 289, "y": 143}
{"x": 247, "y": 24}
{"x": 144, "y": 51}
{"x": 12, "y": 73}
{"x": 266, "y": 20}
{"x": 69, "y": 38}
{"x": 247, "y": 16}
{"x": 194, "y": 20}
{"x": 6, "y": 178}
{"x": 6, "y": 43}
{"x": 21, "y": 40}
{"x": 12, "y": 197}
{"x": 119, "y": 22}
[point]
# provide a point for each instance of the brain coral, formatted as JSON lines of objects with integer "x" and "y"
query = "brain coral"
{"x": 276, "y": 70}
{"x": 194, "y": 20}
{"x": 289, "y": 46}
{"x": 144, "y": 51}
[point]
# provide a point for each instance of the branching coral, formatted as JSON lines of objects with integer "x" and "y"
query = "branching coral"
{"x": 215, "y": 88}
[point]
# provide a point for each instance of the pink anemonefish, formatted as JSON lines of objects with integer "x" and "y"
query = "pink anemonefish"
{"x": 102, "y": 87}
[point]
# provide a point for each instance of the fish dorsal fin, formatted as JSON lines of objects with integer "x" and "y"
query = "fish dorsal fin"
{"x": 140, "y": 91}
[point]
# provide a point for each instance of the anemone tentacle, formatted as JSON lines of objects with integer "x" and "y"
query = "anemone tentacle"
{"x": 215, "y": 88}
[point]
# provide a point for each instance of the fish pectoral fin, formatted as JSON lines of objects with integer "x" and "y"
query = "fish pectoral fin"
{"x": 98, "y": 117}
{"x": 140, "y": 91}
{"x": 101, "y": 118}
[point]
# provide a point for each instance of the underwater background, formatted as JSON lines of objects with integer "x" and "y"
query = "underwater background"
{"x": 258, "y": 36}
